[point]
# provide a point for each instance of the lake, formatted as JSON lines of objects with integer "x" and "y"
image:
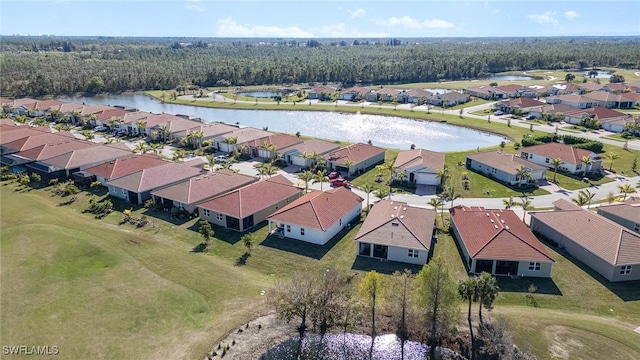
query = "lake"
{"x": 260, "y": 94}
{"x": 384, "y": 131}
{"x": 601, "y": 74}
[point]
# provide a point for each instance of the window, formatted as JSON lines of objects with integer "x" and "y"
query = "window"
{"x": 636, "y": 227}
{"x": 534, "y": 266}
{"x": 218, "y": 216}
{"x": 288, "y": 228}
{"x": 414, "y": 253}
{"x": 579, "y": 166}
{"x": 546, "y": 160}
{"x": 206, "y": 212}
{"x": 625, "y": 270}
{"x": 123, "y": 191}
{"x": 302, "y": 231}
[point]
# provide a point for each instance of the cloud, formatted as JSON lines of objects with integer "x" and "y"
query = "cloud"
{"x": 230, "y": 28}
{"x": 547, "y": 18}
{"x": 571, "y": 14}
{"x": 358, "y": 13}
{"x": 195, "y": 8}
{"x": 410, "y": 23}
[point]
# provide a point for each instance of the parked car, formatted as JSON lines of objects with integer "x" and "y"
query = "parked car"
{"x": 119, "y": 133}
{"x": 498, "y": 113}
{"x": 100, "y": 128}
{"x": 531, "y": 117}
{"x": 340, "y": 182}
{"x": 221, "y": 158}
{"x": 334, "y": 175}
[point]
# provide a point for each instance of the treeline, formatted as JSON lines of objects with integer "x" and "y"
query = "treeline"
{"x": 33, "y": 66}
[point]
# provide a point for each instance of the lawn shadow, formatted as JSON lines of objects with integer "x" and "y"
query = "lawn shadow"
{"x": 242, "y": 260}
{"x": 302, "y": 247}
{"x": 545, "y": 286}
{"x": 367, "y": 264}
{"x": 163, "y": 215}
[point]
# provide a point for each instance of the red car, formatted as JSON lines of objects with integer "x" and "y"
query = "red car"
{"x": 340, "y": 182}
{"x": 334, "y": 175}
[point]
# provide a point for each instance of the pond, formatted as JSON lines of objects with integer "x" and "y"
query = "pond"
{"x": 510, "y": 78}
{"x": 601, "y": 74}
{"x": 384, "y": 131}
{"x": 260, "y": 94}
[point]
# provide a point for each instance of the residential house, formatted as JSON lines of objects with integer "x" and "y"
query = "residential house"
{"x": 272, "y": 145}
{"x": 396, "y": 231}
{"x": 485, "y": 92}
{"x": 19, "y": 106}
{"x": 611, "y": 120}
{"x": 322, "y": 92}
{"x": 565, "y": 88}
{"x": 577, "y": 101}
{"x": 39, "y": 154}
{"x": 243, "y": 208}
{"x": 522, "y": 103}
{"x": 589, "y": 87}
{"x": 355, "y": 93}
{"x": 608, "y": 248}
{"x": 123, "y": 166}
{"x": 129, "y": 122}
{"x": 451, "y": 98}
{"x": 504, "y": 167}
{"x": 419, "y": 166}
{"x": 209, "y": 131}
{"x": 318, "y": 216}
{"x": 137, "y": 187}
{"x": 307, "y": 152}
{"x": 571, "y": 157}
{"x": 626, "y": 214}
{"x": 30, "y": 138}
{"x": 384, "y": 94}
{"x": 633, "y": 97}
{"x": 234, "y": 140}
{"x": 187, "y": 194}
{"x": 354, "y": 159}
{"x": 415, "y": 96}
{"x": 496, "y": 241}
{"x": 556, "y": 111}
{"x": 515, "y": 90}
{"x": 607, "y": 99}
{"x": 81, "y": 159}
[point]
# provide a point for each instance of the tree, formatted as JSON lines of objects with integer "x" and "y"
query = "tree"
{"x": 580, "y": 200}
{"x": 179, "y": 154}
{"x": 368, "y": 188}
{"x": 626, "y": 188}
{"x": 523, "y": 174}
{"x": 468, "y": 290}
{"x": 443, "y": 174}
{"x": 588, "y": 195}
{"x": 612, "y": 156}
{"x": 204, "y": 228}
{"x": 141, "y": 125}
{"x": 87, "y": 134}
{"x": 487, "y": 292}
{"x": 526, "y": 206}
{"x": 402, "y": 176}
{"x": 330, "y": 295}
{"x": 320, "y": 177}
{"x": 586, "y": 161}
{"x": 438, "y": 203}
{"x": 195, "y": 138}
{"x": 569, "y": 77}
{"x": 437, "y": 296}
{"x": 616, "y": 78}
{"x": 611, "y": 197}
{"x": 141, "y": 148}
{"x": 164, "y": 132}
{"x": 383, "y": 193}
{"x": 247, "y": 241}
{"x": 509, "y": 203}
{"x": 306, "y": 176}
{"x": 556, "y": 163}
{"x": 450, "y": 194}
{"x": 370, "y": 287}
{"x": 157, "y": 148}
{"x": 398, "y": 301}
{"x": 348, "y": 163}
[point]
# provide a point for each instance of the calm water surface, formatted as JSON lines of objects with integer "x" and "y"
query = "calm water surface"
{"x": 385, "y": 131}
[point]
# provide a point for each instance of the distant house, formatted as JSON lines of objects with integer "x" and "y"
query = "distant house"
{"x": 301, "y": 154}
{"x": 38, "y": 155}
{"x": 577, "y": 101}
{"x": 611, "y": 120}
{"x": 606, "y": 99}
{"x": 516, "y": 90}
{"x": 415, "y": 96}
{"x": 452, "y": 98}
{"x": 123, "y": 166}
{"x": 485, "y": 92}
{"x": 626, "y": 214}
{"x": 556, "y": 111}
{"x": 137, "y": 187}
{"x": 209, "y": 131}
{"x": 384, "y": 94}
{"x": 396, "y": 231}
{"x": 243, "y": 208}
{"x": 355, "y": 158}
{"x": 608, "y": 248}
{"x": 321, "y": 92}
{"x": 420, "y": 166}
{"x": 523, "y": 104}
{"x": 498, "y": 242}
{"x": 268, "y": 147}
{"x": 229, "y": 142}
{"x": 187, "y": 194}
{"x": 504, "y": 167}
{"x": 571, "y": 157}
{"x": 353, "y": 93}
{"x": 81, "y": 159}
{"x": 318, "y": 216}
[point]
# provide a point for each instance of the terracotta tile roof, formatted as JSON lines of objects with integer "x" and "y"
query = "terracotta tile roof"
{"x": 603, "y": 96}
{"x": 50, "y": 150}
{"x": 13, "y": 133}
{"x": 155, "y": 120}
{"x": 320, "y": 147}
{"x": 604, "y": 238}
{"x": 132, "y": 117}
{"x": 522, "y": 102}
{"x": 323, "y": 89}
{"x": 69, "y": 107}
{"x": 497, "y": 234}
{"x": 156, "y": 177}
{"x": 574, "y": 98}
{"x": 617, "y": 86}
{"x": 553, "y": 150}
{"x": 554, "y": 108}
{"x": 503, "y": 161}
{"x": 208, "y": 130}
{"x": 627, "y": 211}
{"x": 204, "y": 187}
{"x": 37, "y": 139}
{"x": 598, "y": 112}
{"x": 355, "y": 89}
{"x": 87, "y": 156}
{"x": 318, "y": 210}
{"x": 563, "y": 204}
{"x": 252, "y": 198}
{"x": 125, "y": 166}
{"x": 280, "y": 141}
{"x": 387, "y": 91}
{"x": 511, "y": 88}
{"x": 43, "y": 105}
{"x": 395, "y": 223}
{"x": 110, "y": 114}
{"x": 633, "y": 96}
{"x": 95, "y": 109}
{"x": 357, "y": 153}
{"x": 418, "y": 93}
{"x": 590, "y": 86}
{"x": 453, "y": 96}
{"x": 5, "y": 101}
{"x": 247, "y": 134}
{"x": 408, "y": 159}
{"x": 26, "y": 102}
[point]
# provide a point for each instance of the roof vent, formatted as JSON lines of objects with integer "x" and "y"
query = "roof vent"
{"x": 405, "y": 209}
{"x": 395, "y": 208}
{"x": 506, "y": 227}
{"x": 498, "y": 215}
{"x": 401, "y": 216}
{"x": 502, "y": 221}
{"x": 393, "y": 215}
{"x": 492, "y": 221}
{"x": 487, "y": 214}
{"x": 495, "y": 226}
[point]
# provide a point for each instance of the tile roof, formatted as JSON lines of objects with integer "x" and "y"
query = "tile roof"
{"x": 590, "y": 86}
{"x": 37, "y": 139}
{"x": 355, "y": 89}
{"x": 12, "y": 133}
{"x": 395, "y": 223}
{"x": 125, "y": 166}
{"x": 497, "y": 234}
{"x": 132, "y": 117}
{"x": 156, "y": 177}
{"x": 208, "y": 130}
{"x": 318, "y": 210}
{"x": 418, "y": 93}
{"x": 563, "y": 204}
{"x": 95, "y": 109}
{"x": 422, "y": 158}
{"x": 247, "y": 134}
{"x": 553, "y": 150}
{"x": 203, "y": 187}
{"x": 453, "y": 96}
{"x": 521, "y": 102}
{"x": 87, "y": 156}
{"x": 279, "y": 140}
{"x": 50, "y": 150}
{"x": 503, "y": 161}
{"x": 554, "y": 108}
{"x": 387, "y": 91}
{"x": 511, "y": 88}
{"x": 43, "y": 105}
{"x": 110, "y": 114}
{"x": 320, "y": 147}
{"x": 627, "y": 211}
{"x": 604, "y": 238}
{"x": 603, "y": 96}
{"x": 574, "y": 98}
{"x": 598, "y": 112}
{"x": 323, "y": 89}
{"x": 357, "y": 153}
{"x": 252, "y": 198}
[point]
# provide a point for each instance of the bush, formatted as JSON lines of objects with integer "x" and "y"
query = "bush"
{"x": 530, "y": 142}
{"x": 25, "y": 180}
{"x": 9, "y": 177}
{"x": 594, "y": 146}
{"x": 35, "y": 178}
{"x": 95, "y": 184}
{"x": 100, "y": 208}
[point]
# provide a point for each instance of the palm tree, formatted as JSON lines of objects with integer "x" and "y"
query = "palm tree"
{"x": 195, "y": 137}
{"x": 586, "y": 161}
{"x": 348, "y": 163}
{"x": 179, "y": 155}
{"x": 211, "y": 163}
{"x": 141, "y": 148}
{"x": 306, "y": 176}
{"x": 450, "y": 194}
{"x": 88, "y": 135}
{"x": 556, "y": 163}
{"x": 508, "y": 204}
{"x": 487, "y": 291}
{"x": 580, "y": 200}
{"x": 320, "y": 176}
{"x": 157, "y": 148}
{"x": 401, "y": 176}
{"x": 368, "y": 188}
{"x": 443, "y": 174}
{"x": 523, "y": 173}
{"x": 164, "y": 131}
{"x": 588, "y": 195}
{"x": 526, "y": 206}
{"x": 382, "y": 193}
{"x": 611, "y": 157}
{"x": 141, "y": 125}
{"x": 269, "y": 170}
{"x": 626, "y": 188}
{"x": 438, "y": 203}
{"x": 468, "y": 290}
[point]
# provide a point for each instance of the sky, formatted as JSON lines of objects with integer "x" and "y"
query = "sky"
{"x": 320, "y": 18}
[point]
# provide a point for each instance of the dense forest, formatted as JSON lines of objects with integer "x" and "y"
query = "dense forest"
{"x": 37, "y": 66}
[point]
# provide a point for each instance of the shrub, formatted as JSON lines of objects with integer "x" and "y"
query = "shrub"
{"x": 25, "y": 180}
{"x": 95, "y": 184}
{"x": 100, "y": 208}
{"x": 9, "y": 177}
{"x": 530, "y": 142}
{"x": 35, "y": 178}
{"x": 54, "y": 182}
{"x": 594, "y": 146}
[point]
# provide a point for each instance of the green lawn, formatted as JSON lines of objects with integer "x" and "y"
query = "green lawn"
{"x": 575, "y": 183}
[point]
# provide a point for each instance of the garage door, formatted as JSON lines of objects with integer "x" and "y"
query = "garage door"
{"x": 298, "y": 160}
